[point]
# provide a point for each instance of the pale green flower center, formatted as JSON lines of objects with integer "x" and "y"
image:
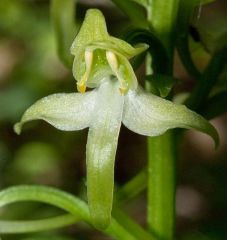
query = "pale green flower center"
{"x": 114, "y": 65}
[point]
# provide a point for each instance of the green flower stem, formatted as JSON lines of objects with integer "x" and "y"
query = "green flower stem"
{"x": 63, "y": 17}
{"x": 162, "y": 17}
{"x": 133, "y": 187}
{"x": 62, "y": 200}
{"x": 12, "y": 227}
{"x": 161, "y": 186}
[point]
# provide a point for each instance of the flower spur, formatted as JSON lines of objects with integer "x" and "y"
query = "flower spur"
{"x": 101, "y": 62}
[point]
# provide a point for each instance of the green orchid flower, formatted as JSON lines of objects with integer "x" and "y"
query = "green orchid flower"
{"x": 101, "y": 62}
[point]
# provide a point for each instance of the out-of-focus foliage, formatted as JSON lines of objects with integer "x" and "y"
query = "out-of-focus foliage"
{"x": 29, "y": 65}
{"x": 30, "y": 69}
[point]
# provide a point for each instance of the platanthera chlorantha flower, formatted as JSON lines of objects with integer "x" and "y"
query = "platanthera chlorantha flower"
{"x": 101, "y": 62}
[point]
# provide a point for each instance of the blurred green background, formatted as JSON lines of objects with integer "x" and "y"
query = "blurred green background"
{"x": 30, "y": 69}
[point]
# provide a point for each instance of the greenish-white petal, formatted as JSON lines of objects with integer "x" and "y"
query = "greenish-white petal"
{"x": 151, "y": 115}
{"x": 101, "y": 150}
{"x": 65, "y": 111}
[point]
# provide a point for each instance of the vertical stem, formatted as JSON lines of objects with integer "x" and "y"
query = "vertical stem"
{"x": 161, "y": 186}
{"x": 162, "y": 17}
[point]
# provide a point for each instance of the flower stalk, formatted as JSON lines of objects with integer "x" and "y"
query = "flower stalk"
{"x": 162, "y": 17}
{"x": 162, "y": 185}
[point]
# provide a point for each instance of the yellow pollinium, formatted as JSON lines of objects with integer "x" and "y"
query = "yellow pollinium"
{"x": 81, "y": 87}
{"x": 88, "y": 57}
{"x": 113, "y": 62}
{"x": 123, "y": 90}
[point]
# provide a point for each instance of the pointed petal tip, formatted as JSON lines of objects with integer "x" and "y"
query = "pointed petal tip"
{"x": 17, "y": 128}
{"x": 142, "y": 46}
{"x": 216, "y": 138}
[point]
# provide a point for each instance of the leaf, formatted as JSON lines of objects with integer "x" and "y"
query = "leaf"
{"x": 27, "y": 226}
{"x": 150, "y": 115}
{"x": 60, "y": 199}
{"x": 160, "y": 59}
{"x": 68, "y": 112}
{"x": 101, "y": 150}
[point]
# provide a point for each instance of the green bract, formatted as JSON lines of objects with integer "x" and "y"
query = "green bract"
{"x": 104, "y": 109}
{"x": 97, "y": 55}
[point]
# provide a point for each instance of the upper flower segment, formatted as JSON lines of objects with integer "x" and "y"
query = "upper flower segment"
{"x": 101, "y": 62}
{"x": 97, "y": 55}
